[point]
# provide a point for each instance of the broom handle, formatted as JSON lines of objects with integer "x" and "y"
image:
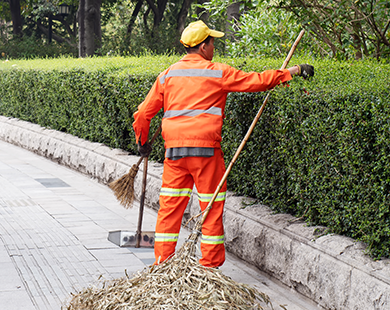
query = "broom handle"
{"x": 250, "y": 130}
{"x": 151, "y": 142}
{"x": 141, "y": 204}
{"x": 143, "y": 193}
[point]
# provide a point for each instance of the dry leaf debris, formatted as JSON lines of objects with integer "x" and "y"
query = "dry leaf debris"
{"x": 179, "y": 283}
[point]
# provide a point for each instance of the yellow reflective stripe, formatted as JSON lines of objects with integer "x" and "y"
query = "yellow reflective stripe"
{"x": 158, "y": 237}
{"x": 175, "y": 192}
{"x": 213, "y": 239}
{"x": 207, "y": 197}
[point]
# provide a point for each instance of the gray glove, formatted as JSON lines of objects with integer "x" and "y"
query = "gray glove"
{"x": 144, "y": 150}
{"x": 306, "y": 71}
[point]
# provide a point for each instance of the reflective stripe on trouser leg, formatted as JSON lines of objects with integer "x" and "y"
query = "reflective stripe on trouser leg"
{"x": 212, "y": 240}
{"x": 207, "y": 180}
{"x": 214, "y": 244}
{"x": 174, "y": 196}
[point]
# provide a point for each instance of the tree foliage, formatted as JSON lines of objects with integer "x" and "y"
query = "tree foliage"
{"x": 348, "y": 27}
{"x": 340, "y": 28}
{"x": 264, "y": 32}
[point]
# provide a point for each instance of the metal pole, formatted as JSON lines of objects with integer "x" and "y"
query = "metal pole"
{"x": 141, "y": 204}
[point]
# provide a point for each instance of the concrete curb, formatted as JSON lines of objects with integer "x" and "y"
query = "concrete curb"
{"x": 331, "y": 270}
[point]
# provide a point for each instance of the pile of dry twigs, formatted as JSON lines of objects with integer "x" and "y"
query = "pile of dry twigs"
{"x": 179, "y": 283}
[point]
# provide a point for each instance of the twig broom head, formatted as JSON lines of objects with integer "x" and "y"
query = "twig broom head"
{"x": 123, "y": 188}
{"x": 178, "y": 283}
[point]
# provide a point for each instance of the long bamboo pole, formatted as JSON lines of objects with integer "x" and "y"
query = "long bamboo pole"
{"x": 243, "y": 142}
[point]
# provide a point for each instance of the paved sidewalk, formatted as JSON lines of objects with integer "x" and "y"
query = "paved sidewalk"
{"x": 54, "y": 224}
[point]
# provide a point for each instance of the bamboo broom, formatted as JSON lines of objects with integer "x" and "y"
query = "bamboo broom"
{"x": 123, "y": 187}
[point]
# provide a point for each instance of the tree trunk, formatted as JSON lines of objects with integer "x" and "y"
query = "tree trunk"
{"x": 158, "y": 12}
{"x": 201, "y": 12}
{"x": 134, "y": 17}
{"x": 161, "y": 5}
{"x": 81, "y": 20}
{"x": 16, "y": 17}
{"x": 93, "y": 31}
{"x": 358, "y": 46}
{"x": 181, "y": 19}
{"x": 145, "y": 19}
{"x": 90, "y": 33}
{"x": 233, "y": 16}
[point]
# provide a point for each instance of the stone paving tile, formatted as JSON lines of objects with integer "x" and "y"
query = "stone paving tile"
{"x": 16, "y": 300}
{"x": 143, "y": 253}
{"x": 9, "y": 277}
{"x": 112, "y": 224}
{"x": 88, "y": 229}
{"x": 148, "y": 261}
{"x": 95, "y": 244}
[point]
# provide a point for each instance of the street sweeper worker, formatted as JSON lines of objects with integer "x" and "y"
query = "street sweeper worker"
{"x": 193, "y": 94}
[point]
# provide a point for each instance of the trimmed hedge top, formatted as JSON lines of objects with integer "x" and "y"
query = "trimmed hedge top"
{"x": 321, "y": 149}
{"x": 140, "y": 66}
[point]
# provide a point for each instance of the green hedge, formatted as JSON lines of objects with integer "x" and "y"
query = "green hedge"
{"x": 322, "y": 155}
{"x": 91, "y": 98}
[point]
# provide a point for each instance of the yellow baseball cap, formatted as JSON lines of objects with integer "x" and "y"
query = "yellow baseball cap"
{"x": 196, "y": 33}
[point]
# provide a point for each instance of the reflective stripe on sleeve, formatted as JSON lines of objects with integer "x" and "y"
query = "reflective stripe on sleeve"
{"x": 158, "y": 237}
{"x": 175, "y": 192}
{"x": 192, "y": 73}
{"x": 212, "y": 239}
{"x": 192, "y": 113}
{"x": 207, "y": 197}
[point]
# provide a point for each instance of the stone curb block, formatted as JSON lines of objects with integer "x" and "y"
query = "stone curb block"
{"x": 331, "y": 270}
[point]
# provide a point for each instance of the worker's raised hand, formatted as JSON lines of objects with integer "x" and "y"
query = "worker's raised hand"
{"x": 144, "y": 150}
{"x": 305, "y": 71}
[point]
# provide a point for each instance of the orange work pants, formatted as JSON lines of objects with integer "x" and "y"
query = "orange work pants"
{"x": 178, "y": 179}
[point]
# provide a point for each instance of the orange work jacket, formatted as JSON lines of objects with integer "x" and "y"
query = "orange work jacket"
{"x": 193, "y": 94}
